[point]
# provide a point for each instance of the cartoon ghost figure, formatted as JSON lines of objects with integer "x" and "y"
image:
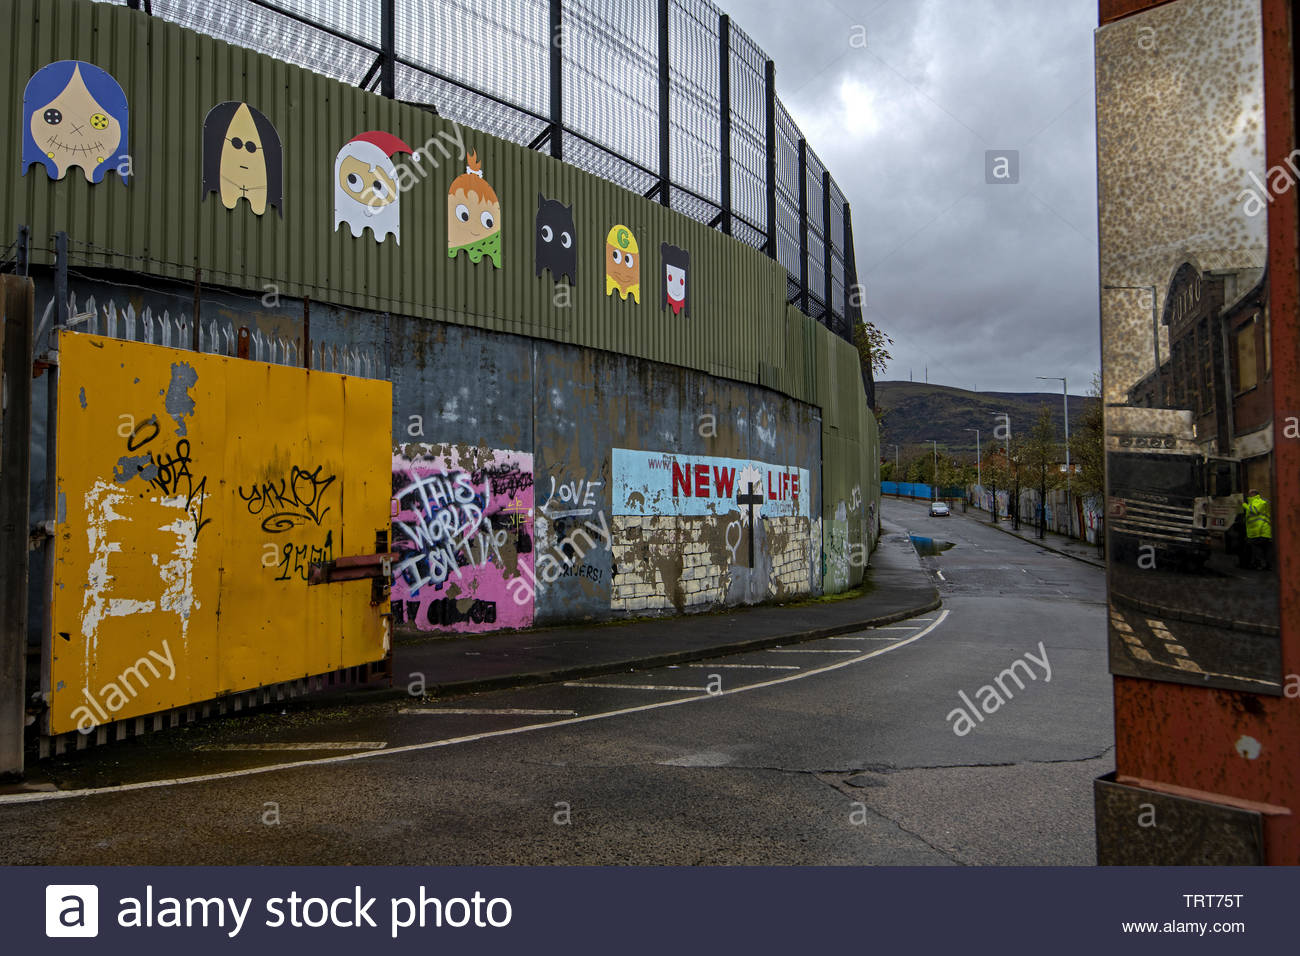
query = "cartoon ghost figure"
{"x": 677, "y": 263}
{"x": 242, "y": 158}
{"x": 622, "y": 264}
{"x": 556, "y": 240}
{"x": 365, "y": 185}
{"x": 75, "y": 114}
{"x": 473, "y": 216}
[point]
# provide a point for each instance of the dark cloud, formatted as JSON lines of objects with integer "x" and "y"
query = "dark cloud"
{"x": 987, "y": 285}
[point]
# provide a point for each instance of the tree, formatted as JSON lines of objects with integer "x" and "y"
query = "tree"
{"x": 996, "y": 475}
{"x": 1088, "y": 450}
{"x": 1040, "y": 455}
{"x": 872, "y": 352}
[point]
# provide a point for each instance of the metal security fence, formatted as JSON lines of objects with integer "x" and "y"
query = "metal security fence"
{"x": 667, "y": 98}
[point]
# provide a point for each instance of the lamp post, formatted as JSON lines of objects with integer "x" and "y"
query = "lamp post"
{"x": 979, "y": 474}
{"x": 1155, "y": 330}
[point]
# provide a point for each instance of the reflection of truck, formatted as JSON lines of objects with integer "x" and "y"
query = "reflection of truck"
{"x": 1164, "y": 492}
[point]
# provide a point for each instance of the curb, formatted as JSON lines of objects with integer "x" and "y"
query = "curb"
{"x": 533, "y": 678}
{"x": 1191, "y": 617}
{"x": 1044, "y": 546}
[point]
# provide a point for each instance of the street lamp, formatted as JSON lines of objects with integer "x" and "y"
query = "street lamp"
{"x": 1065, "y": 397}
{"x": 1155, "y": 329}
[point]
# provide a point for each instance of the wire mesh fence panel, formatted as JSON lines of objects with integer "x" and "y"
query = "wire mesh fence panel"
{"x": 611, "y": 77}
{"x": 816, "y": 232}
{"x": 497, "y": 47}
{"x": 268, "y": 30}
{"x": 694, "y": 95}
{"x": 787, "y": 192}
{"x": 748, "y": 131}
{"x": 466, "y": 107}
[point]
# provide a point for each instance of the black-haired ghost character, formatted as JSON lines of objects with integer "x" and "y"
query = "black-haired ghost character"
{"x": 241, "y": 158}
{"x": 677, "y": 294}
{"x": 556, "y": 240}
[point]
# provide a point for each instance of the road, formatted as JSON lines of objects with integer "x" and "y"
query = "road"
{"x": 841, "y": 751}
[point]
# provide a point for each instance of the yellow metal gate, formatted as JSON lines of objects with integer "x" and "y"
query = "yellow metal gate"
{"x": 195, "y": 493}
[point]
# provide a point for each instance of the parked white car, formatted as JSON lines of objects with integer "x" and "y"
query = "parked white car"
{"x": 938, "y": 509}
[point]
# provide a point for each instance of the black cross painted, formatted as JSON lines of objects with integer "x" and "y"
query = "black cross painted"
{"x": 749, "y": 500}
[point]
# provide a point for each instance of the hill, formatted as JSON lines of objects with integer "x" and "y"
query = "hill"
{"x": 915, "y": 413}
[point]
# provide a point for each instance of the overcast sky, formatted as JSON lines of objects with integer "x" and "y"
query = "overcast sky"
{"x": 987, "y": 285}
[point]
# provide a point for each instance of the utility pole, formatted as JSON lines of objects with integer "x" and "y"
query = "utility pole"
{"x": 979, "y": 474}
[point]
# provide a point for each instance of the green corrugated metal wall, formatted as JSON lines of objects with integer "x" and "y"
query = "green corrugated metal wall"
{"x": 740, "y": 326}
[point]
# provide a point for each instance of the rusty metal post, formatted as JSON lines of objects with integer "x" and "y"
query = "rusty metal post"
{"x": 198, "y": 283}
{"x": 16, "y": 341}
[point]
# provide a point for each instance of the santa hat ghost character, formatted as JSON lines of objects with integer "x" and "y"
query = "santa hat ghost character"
{"x": 365, "y": 185}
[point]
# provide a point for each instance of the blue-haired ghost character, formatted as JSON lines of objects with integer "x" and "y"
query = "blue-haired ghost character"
{"x": 75, "y": 114}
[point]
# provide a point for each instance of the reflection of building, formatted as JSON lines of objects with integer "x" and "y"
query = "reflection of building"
{"x": 1219, "y": 367}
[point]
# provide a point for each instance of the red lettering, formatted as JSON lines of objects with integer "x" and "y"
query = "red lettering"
{"x": 681, "y": 479}
{"x": 724, "y": 481}
{"x": 794, "y": 485}
{"x": 701, "y": 481}
{"x": 771, "y": 495}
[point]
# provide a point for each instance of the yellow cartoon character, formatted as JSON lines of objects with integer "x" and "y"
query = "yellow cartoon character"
{"x": 473, "y": 216}
{"x": 622, "y": 264}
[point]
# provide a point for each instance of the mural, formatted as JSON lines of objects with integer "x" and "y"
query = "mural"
{"x": 664, "y": 483}
{"x": 693, "y": 530}
{"x": 365, "y": 185}
{"x": 677, "y": 294}
{"x": 622, "y": 264}
{"x": 242, "y": 158}
{"x": 473, "y": 216}
{"x": 555, "y": 243}
{"x": 463, "y": 523}
{"x": 75, "y": 114}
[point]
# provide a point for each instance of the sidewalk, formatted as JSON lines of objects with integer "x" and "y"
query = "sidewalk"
{"x": 1059, "y": 543}
{"x": 899, "y": 588}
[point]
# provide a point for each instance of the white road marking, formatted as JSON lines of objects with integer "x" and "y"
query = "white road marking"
{"x": 941, "y": 577}
{"x": 579, "y": 683}
{"x": 756, "y": 667}
{"x": 309, "y": 745}
{"x": 894, "y": 627}
{"x": 810, "y": 650}
{"x": 488, "y": 711}
{"x": 42, "y": 796}
{"x": 861, "y": 638}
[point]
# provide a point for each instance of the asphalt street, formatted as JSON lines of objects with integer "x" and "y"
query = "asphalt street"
{"x": 846, "y": 750}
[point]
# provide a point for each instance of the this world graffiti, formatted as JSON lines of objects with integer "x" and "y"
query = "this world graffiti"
{"x": 463, "y": 528}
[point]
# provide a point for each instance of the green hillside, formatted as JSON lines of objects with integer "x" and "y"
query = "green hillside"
{"x": 915, "y": 413}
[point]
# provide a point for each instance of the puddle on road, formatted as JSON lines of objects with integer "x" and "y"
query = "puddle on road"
{"x": 927, "y": 547}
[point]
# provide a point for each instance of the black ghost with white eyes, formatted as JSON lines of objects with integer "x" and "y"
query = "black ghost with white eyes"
{"x": 556, "y": 240}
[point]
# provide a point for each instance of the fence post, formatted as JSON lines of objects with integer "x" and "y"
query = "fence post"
{"x": 388, "y": 46}
{"x": 803, "y": 225}
{"x": 15, "y": 444}
{"x": 724, "y": 114}
{"x": 23, "y": 262}
{"x": 557, "y": 79}
{"x": 665, "y": 172}
{"x": 770, "y": 83}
